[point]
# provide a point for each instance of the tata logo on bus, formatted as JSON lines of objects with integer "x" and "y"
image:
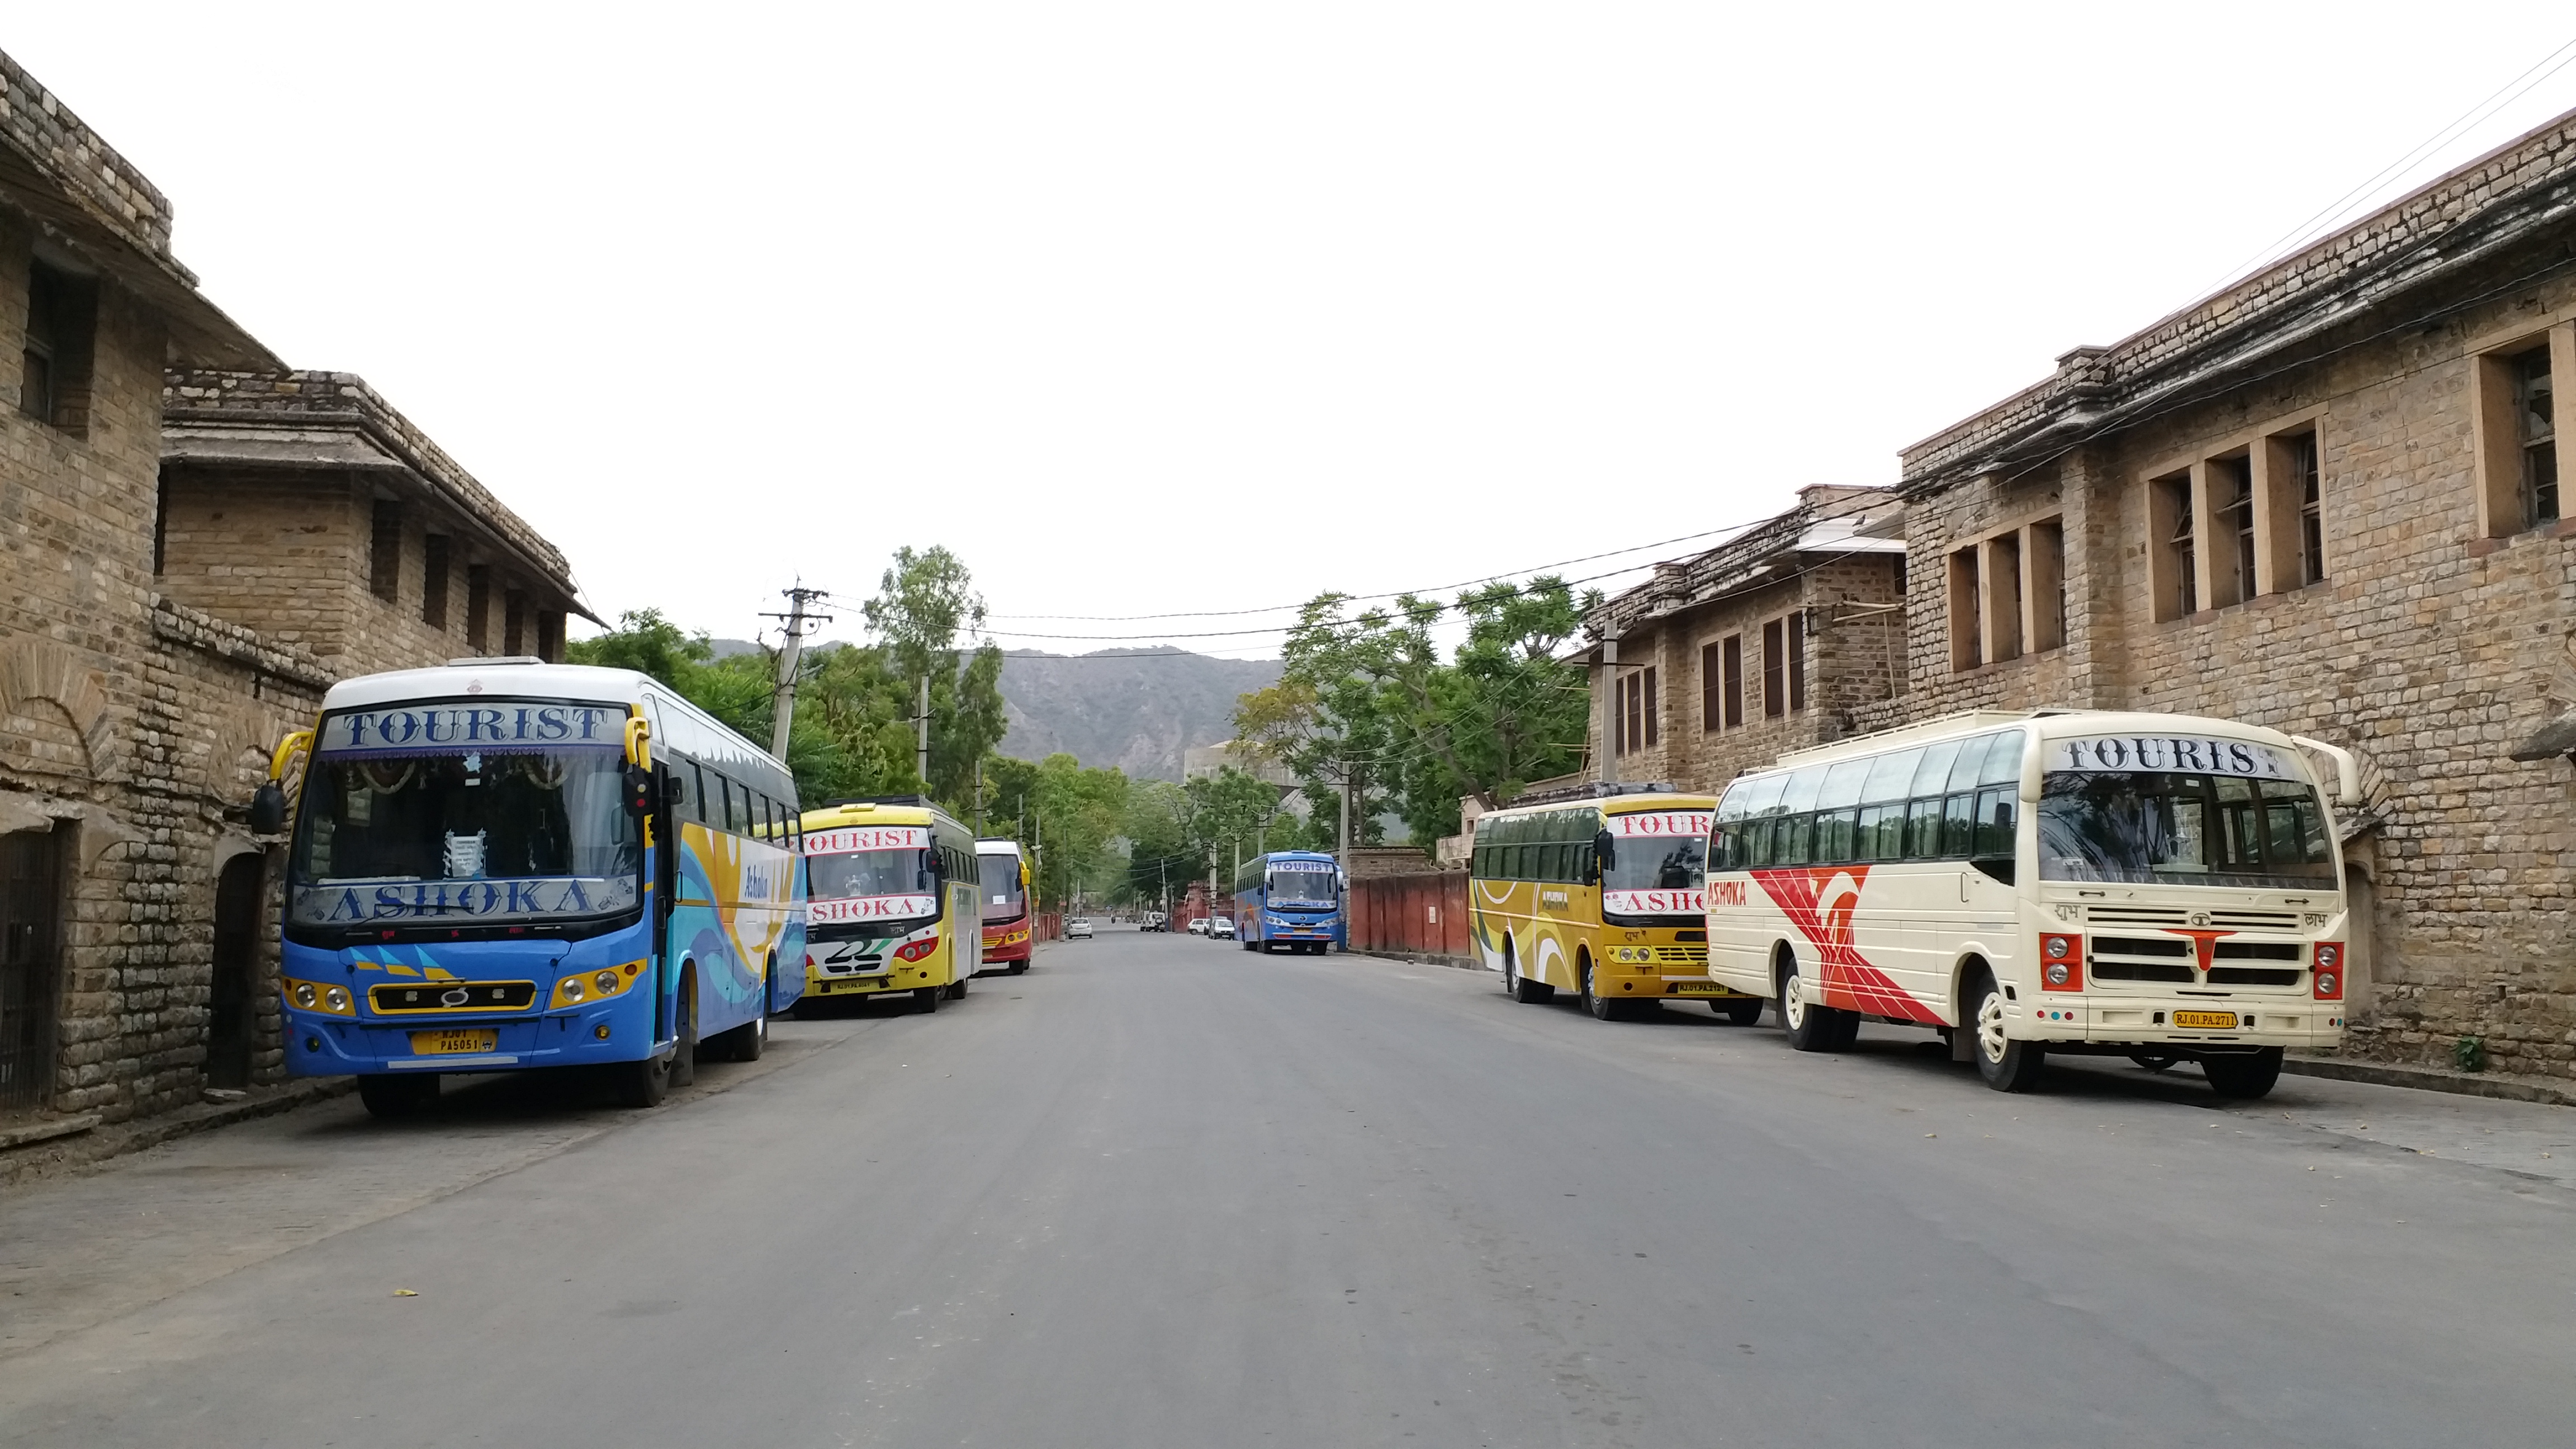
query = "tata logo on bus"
{"x": 524, "y": 724}
{"x": 869, "y": 908}
{"x": 1674, "y": 823}
{"x": 2183, "y": 754}
{"x": 873, "y": 837}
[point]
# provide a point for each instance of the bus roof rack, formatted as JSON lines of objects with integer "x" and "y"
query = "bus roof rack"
{"x": 921, "y": 800}
{"x": 1594, "y": 790}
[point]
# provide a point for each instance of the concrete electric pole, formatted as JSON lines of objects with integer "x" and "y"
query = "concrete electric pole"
{"x": 924, "y": 719}
{"x": 1610, "y": 709}
{"x": 791, "y": 648}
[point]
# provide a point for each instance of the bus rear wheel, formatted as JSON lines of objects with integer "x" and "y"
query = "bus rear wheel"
{"x": 926, "y": 1000}
{"x": 744, "y": 1043}
{"x": 391, "y": 1096}
{"x": 1520, "y": 988}
{"x": 2006, "y": 1064}
{"x": 2241, "y": 1078}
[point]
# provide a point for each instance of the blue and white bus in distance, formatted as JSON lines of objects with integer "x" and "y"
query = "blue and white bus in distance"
{"x": 506, "y": 864}
{"x": 1290, "y": 898}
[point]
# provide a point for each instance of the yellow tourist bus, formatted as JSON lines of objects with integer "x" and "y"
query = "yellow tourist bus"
{"x": 1599, "y": 894}
{"x": 891, "y": 904}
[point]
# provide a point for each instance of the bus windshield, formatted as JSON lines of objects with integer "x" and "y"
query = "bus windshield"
{"x": 2157, "y": 827}
{"x": 464, "y": 834}
{"x": 1004, "y": 898}
{"x": 1302, "y": 885}
{"x": 875, "y": 873}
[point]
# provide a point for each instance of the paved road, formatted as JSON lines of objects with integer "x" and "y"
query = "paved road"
{"x": 1160, "y": 1192}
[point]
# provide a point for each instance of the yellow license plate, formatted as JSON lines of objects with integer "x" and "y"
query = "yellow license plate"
{"x": 1697, "y": 988}
{"x": 2206, "y": 1020}
{"x": 453, "y": 1043}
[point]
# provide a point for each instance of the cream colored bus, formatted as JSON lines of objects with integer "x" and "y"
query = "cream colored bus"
{"x": 1599, "y": 895}
{"x": 2155, "y": 886}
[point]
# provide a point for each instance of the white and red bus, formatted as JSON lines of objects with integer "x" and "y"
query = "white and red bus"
{"x": 2162, "y": 887}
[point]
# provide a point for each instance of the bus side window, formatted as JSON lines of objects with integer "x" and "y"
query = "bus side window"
{"x": 700, "y": 808}
{"x": 1959, "y": 826}
{"x": 1796, "y": 841}
{"x": 1995, "y": 823}
{"x": 1834, "y": 835}
{"x": 2003, "y": 760}
{"x": 1923, "y": 828}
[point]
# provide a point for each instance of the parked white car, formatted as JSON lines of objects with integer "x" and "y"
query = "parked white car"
{"x": 1077, "y": 929}
{"x": 1221, "y": 928}
{"x": 1198, "y": 925}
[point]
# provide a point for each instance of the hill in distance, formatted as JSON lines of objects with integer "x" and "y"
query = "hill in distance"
{"x": 1135, "y": 709}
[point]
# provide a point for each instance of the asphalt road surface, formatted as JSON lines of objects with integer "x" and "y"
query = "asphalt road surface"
{"x": 1161, "y": 1192}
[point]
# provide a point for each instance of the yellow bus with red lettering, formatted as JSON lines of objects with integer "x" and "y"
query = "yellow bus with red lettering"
{"x": 893, "y": 883}
{"x": 1599, "y": 892}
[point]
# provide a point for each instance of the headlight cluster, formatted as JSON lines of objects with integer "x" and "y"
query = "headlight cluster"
{"x": 319, "y": 996}
{"x": 588, "y": 986}
{"x": 916, "y": 950}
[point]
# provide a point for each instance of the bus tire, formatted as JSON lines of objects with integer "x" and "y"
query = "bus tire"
{"x": 1742, "y": 1010}
{"x": 926, "y": 1000}
{"x": 1518, "y": 987}
{"x": 644, "y": 1083}
{"x": 957, "y": 989}
{"x": 390, "y": 1096}
{"x": 684, "y": 1056}
{"x": 2007, "y": 1065}
{"x": 1810, "y": 1025}
{"x": 1019, "y": 966}
{"x": 743, "y": 1043}
{"x": 2241, "y": 1078}
{"x": 1601, "y": 1007}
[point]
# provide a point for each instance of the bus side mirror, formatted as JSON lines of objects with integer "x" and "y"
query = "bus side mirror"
{"x": 675, "y": 791}
{"x": 1605, "y": 854}
{"x": 268, "y": 809}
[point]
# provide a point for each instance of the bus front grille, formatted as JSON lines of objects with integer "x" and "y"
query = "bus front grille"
{"x": 2141, "y": 971}
{"x": 2252, "y": 976}
{"x": 452, "y": 996}
{"x": 1682, "y": 955}
{"x": 2141, "y": 946}
{"x": 2133, "y": 916}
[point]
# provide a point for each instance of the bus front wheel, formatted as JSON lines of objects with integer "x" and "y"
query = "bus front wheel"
{"x": 2006, "y": 1064}
{"x": 926, "y": 1000}
{"x": 644, "y": 1083}
{"x": 1742, "y": 1010}
{"x": 1601, "y": 1007}
{"x": 1811, "y": 1025}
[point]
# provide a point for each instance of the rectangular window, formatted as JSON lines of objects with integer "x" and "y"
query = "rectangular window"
{"x": 1630, "y": 720}
{"x": 161, "y": 528}
{"x": 31, "y": 919}
{"x": 1967, "y": 614}
{"x": 478, "y": 606}
{"x": 2536, "y": 436}
{"x": 550, "y": 635}
{"x": 2232, "y": 481}
{"x": 2299, "y": 454}
{"x": 433, "y": 581}
{"x": 1732, "y": 648}
{"x": 2172, "y": 548}
{"x": 54, "y": 352}
{"x": 2044, "y": 559}
{"x": 514, "y": 622}
{"x": 1712, "y": 687}
{"x": 384, "y": 551}
{"x": 1796, "y": 663}
{"x": 1654, "y": 710}
{"x": 1775, "y": 662}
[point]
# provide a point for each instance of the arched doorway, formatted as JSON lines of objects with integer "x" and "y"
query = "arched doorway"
{"x": 229, "y": 1023}
{"x": 31, "y": 911}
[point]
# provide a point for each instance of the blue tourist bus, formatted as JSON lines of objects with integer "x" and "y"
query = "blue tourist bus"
{"x": 505, "y": 864}
{"x": 1289, "y": 898}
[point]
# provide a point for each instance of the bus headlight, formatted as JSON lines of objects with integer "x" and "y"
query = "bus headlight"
{"x": 305, "y": 995}
{"x": 315, "y": 996}
{"x": 335, "y": 999}
{"x": 2327, "y": 984}
{"x": 915, "y": 950}
{"x": 2061, "y": 957}
{"x": 605, "y": 982}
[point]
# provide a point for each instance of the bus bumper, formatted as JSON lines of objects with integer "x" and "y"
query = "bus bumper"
{"x": 2298, "y": 1023}
{"x": 902, "y": 978}
{"x": 319, "y": 1044}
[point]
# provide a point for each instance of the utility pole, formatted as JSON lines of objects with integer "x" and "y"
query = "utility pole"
{"x": 1609, "y": 709}
{"x": 979, "y": 798}
{"x": 924, "y": 719}
{"x": 791, "y": 648}
{"x": 1342, "y": 851}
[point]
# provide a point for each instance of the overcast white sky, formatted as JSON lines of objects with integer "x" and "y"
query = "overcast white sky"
{"x": 1194, "y": 307}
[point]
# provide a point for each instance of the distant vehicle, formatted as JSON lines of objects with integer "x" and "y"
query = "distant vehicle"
{"x": 1004, "y": 889}
{"x": 1151, "y": 921}
{"x": 540, "y": 897}
{"x": 1291, "y": 897}
{"x": 2143, "y": 885}
{"x": 1198, "y": 925}
{"x": 891, "y": 886}
{"x": 1599, "y": 894}
{"x": 1221, "y": 928}
{"x": 1077, "y": 929}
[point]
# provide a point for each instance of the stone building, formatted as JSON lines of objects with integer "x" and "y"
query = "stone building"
{"x": 2323, "y": 500}
{"x": 1782, "y": 637}
{"x": 195, "y": 542}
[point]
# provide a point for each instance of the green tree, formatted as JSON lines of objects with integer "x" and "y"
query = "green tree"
{"x": 648, "y": 643}
{"x": 925, "y": 601}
